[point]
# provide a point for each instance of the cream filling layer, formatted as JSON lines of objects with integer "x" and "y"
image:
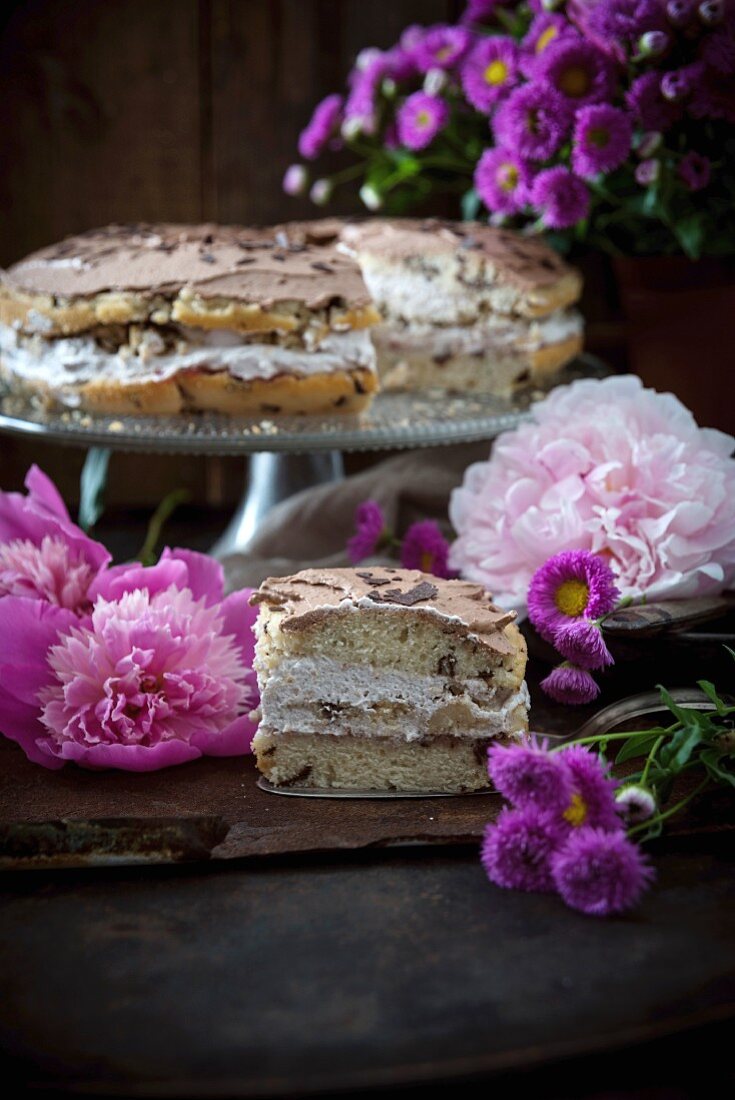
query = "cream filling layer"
{"x": 319, "y": 695}
{"x": 491, "y": 334}
{"x": 62, "y": 365}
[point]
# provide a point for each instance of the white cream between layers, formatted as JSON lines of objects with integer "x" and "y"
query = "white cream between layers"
{"x": 69, "y": 362}
{"x": 298, "y": 693}
{"x": 489, "y": 333}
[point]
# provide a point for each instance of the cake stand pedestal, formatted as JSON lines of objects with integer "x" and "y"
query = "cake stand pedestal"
{"x": 288, "y": 454}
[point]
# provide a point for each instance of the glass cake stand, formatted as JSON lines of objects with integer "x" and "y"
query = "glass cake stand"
{"x": 286, "y": 453}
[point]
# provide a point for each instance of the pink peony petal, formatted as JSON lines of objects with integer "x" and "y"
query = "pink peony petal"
{"x": 132, "y": 576}
{"x": 238, "y": 618}
{"x": 205, "y": 575}
{"x": 40, "y": 486}
{"x": 19, "y": 722}
{"x": 132, "y": 758}
{"x": 233, "y": 741}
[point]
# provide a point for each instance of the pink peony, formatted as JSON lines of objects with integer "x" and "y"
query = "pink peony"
{"x": 43, "y": 555}
{"x": 610, "y": 467}
{"x": 158, "y": 674}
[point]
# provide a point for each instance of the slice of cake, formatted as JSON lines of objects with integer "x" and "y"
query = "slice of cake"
{"x": 382, "y": 679}
{"x": 466, "y": 307}
{"x": 173, "y": 318}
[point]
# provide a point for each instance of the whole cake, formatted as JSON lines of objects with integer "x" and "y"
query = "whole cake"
{"x": 383, "y": 679}
{"x": 466, "y": 307}
{"x": 175, "y": 318}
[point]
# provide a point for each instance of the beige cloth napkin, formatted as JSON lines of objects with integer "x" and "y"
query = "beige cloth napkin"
{"x": 312, "y": 527}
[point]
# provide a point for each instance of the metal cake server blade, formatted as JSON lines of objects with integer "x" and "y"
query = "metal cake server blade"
{"x": 606, "y": 720}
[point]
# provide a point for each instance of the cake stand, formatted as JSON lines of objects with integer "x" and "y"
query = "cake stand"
{"x": 284, "y": 454}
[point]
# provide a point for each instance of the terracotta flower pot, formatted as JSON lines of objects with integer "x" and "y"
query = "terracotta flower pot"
{"x": 680, "y": 324}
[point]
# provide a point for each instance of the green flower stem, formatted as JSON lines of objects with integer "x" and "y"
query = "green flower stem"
{"x": 169, "y": 504}
{"x": 609, "y": 737}
{"x": 347, "y": 174}
{"x": 652, "y": 821}
{"x": 654, "y": 749}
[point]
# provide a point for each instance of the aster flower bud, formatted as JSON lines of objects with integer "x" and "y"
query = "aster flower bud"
{"x": 675, "y": 85}
{"x": 389, "y": 87}
{"x": 679, "y": 12}
{"x": 351, "y": 127}
{"x": 653, "y": 44}
{"x": 370, "y": 197}
{"x": 435, "y": 81}
{"x": 636, "y": 803}
{"x": 321, "y": 192}
{"x": 367, "y": 57}
{"x": 551, "y": 5}
{"x": 649, "y": 143}
{"x": 711, "y": 12}
{"x": 647, "y": 172}
{"x": 295, "y": 179}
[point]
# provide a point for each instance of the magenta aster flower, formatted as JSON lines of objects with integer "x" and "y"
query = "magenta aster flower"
{"x": 517, "y": 849}
{"x": 580, "y": 641}
{"x": 694, "y": 170}
{"x": 577, "y": 70}
{"x": 718, "y": 47}
{"x": 43, "y": 555}
{"x": 526, "y": 774}
{"x": 479, "y": 11}
{"x": 600, "y": 873}
{"x": 424, "y": 547}
{"x": 546, "y": 28}
{"x": 593, "y": 801}
{"x": 534, "y": 120}
{"x": 713, "y": 96}
{"x": 490, "y": 71}
{"x": 561, "y": 198}
{"x": 420, "y": 119}
{"x": 570, "y": 685}
{"x": 160, "y": 673}
{"x": 323, "y": 124}
{"x": 441, "y": 47}
{"x": 501, "y": 180}
{"x": 369, "y": 530}
{"x": 360, "y": 105}
{"x": 648, "y": 105}
{"x": 602, "y": 138}
{"x": 617, "y": 25}
{"x": 574, "y": 584}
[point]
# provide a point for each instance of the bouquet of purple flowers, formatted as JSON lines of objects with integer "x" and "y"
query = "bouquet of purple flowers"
{"x": 605, "y": 121}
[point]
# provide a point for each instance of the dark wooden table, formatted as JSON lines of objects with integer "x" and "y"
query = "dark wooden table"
{"x": 374, "y": 970}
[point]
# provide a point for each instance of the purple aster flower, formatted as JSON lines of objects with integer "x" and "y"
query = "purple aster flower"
{"x": 545, "y": 29}
{"x": 420, "y": 119}
{"x": 490, "y": 71}
{"x": 578, "y": 70}
{"x": 570, "y": 685}
{"x": 718, "y": 50}
{"x": 562, "y": 199}
{"x": 581, "y": 642}
{"x": 526, "y": 774}
{"x": 602, "y": 137}
{"x": 424, "y": 547}
{"x": 322, "y": 125}
{"x": 360, "y": 106}
{"x": 713, "y": 96}
{"x": 647, "y": 172}
{"x": 517, "y": 849}
{"x": 648, "y": 105}
{"x": 635, "y": 803}
{"x": 593, "y": 801}
{"x": 574, "y": 584}
{"x": 501, "y": 180}
{"x": 295, "y": 179}
{"x": 479, "y": 11}
{"x": 369, "y": 529}
{"x": 617, "y": 25}
{"x": 441, "y": 47}
{"x": 600, "y": 873}
{"x": 694, "y": 170}
{"x": 533, "y": 120}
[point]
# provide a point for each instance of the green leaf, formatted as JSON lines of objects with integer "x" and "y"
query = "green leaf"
{"x": 678, "y": 751}
{"x": 690, "y": 232}
{"x": 711, "y": 692}
{"x": 686, "y": 715}
{"x": 714, "y": 761}
{"x": 637, "y": 746}
{"x": 92, "y": 486}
